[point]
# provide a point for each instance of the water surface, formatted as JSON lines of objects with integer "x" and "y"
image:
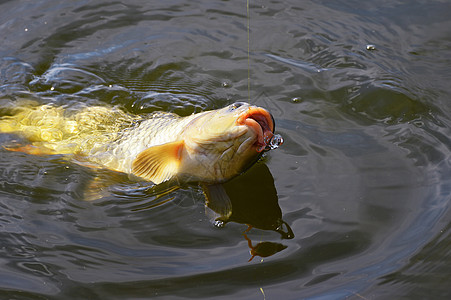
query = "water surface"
{"x": 359, "y": 90}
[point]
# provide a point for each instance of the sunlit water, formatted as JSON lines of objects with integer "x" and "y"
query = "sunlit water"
{"x": 359, "y": 92}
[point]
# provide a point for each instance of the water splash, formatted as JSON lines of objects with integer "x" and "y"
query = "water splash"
{"x": 219, "y": 223}
{"x": 274, "y": 143}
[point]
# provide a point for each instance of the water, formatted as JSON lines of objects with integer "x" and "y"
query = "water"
{"x": 275, "y": 141}
{"x": 359, "y": 91}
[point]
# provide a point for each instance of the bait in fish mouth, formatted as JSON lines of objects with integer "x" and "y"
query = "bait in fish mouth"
{"x": 210, "y": 147}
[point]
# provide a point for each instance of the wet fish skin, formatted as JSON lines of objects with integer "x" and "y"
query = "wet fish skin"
{"x": 209, "y": 147}
{"x": 213, "y": 146}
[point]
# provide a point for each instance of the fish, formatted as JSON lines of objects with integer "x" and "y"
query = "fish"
{"x": 209, "y": 147}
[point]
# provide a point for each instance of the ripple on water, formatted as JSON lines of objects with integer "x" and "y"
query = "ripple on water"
{"x": 362, "y": 177}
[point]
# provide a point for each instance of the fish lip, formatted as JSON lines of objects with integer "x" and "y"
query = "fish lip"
{"x": 261, "y": 122}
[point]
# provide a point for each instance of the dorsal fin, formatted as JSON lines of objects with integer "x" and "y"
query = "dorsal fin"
{"x": 158, "y": 163}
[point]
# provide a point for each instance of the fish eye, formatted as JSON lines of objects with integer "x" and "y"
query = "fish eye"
{"x": 236, "y": 105}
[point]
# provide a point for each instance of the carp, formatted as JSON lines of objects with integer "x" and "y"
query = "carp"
{"x": 209, "y": 147}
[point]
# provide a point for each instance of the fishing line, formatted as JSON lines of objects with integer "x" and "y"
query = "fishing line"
{"x": 248, "y": 54}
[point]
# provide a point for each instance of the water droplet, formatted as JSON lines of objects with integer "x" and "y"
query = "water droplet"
{"x": 275, "y": 142}
{"x": 219, "y": 224}
{"x": 370, "y": 47}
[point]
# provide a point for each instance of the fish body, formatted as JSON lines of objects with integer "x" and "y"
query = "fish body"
{"x": 209, "y": 147}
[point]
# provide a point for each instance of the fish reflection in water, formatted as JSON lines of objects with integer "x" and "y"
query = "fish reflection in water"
{"x": 255, "y": 203}
{"x": 263, "y": 249}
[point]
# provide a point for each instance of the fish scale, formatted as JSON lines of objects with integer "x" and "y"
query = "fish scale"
{"x": 106, "y": 136}
{"x": 209, "y": 147}
{"x": 161, "y": 128}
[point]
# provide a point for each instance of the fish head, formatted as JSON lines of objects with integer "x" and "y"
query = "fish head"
{"x": 223, "y": 143}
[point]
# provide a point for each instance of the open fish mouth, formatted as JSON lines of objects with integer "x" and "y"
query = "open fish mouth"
{"x": 261, "y": 122}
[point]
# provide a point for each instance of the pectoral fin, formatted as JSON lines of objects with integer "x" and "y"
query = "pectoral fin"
{"x": 158, "y": 163}
{"x": 218, "y": 200}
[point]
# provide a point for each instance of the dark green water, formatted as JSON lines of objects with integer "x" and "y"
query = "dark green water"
{"x": 360, "y": 91}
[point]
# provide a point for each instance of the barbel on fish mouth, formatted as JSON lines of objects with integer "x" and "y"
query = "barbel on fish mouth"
{"x": 210, "y": 147}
